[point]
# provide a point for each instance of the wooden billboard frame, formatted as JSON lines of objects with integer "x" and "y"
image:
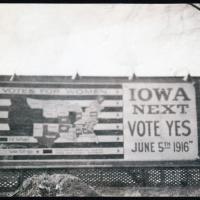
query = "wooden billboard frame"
{"x": 5, "y": 164}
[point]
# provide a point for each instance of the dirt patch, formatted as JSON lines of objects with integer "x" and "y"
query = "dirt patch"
{"x": 54, "y": 185}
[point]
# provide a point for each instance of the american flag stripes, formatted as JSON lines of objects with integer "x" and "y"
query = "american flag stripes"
{"x": 33, "y": 123}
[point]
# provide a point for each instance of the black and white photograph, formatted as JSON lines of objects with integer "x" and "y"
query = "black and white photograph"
{"x": 100, "y": 100}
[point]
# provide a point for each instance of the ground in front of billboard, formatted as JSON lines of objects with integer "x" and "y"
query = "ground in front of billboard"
{"x": 140, "y": 192}
{"x": 149, "y": 191}
{"x": 84, "y": 190}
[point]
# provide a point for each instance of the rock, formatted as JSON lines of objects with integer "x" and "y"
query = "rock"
{"x": 54, "y": 185}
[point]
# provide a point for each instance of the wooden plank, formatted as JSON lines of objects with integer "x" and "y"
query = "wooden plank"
{"x": 18, "y": 139}
{"x": 89, "y": 139}
{"x": 5, "y": 102}
{"x": 3, "y": 114}
{"x": 16, "y": 164}
{"x": 60, "y": 91}
{"x": 63, "y": 151}
{"x": 4, "y": 127}
{"x": 110, "y": 115}
{"x": 115, "y": 126}
{"x": 35, "y": 103}
{"x": 28, "y": 139}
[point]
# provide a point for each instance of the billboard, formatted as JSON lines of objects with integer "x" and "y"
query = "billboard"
{"x": 61, "y": 122}
{"x": 104, "y": 121}
{"x": 160, "y": 121}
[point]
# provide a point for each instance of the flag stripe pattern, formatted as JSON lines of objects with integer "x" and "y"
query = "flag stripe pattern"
{"x": 33, "y": 122}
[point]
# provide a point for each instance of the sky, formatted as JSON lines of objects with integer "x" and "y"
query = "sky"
{"x": 99, "y": 39}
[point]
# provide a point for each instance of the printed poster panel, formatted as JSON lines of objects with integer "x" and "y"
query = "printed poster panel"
{"x": 40, "y": 121}
{"x": 160, "y": 121}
